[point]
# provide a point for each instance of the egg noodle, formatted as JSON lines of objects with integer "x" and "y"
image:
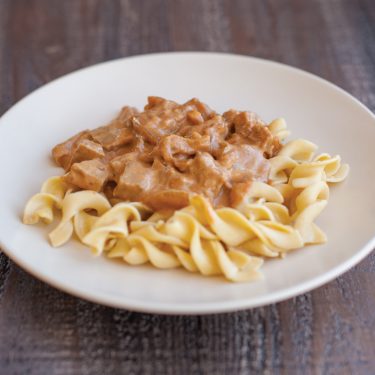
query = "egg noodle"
{"x": 274, "y": 219}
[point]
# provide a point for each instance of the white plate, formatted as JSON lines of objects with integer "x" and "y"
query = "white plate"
{"x": 314, "y": 109}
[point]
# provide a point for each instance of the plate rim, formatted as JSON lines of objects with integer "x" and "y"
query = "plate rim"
{"x": 199, "y": 308}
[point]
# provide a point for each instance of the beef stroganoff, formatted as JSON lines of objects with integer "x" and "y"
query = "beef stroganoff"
{"x": 183, "y": 186}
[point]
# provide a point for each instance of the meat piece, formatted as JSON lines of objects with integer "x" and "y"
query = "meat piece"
{"x": 174, "y": 148}
{"x": 164, "y": 117}
{"x": 62, "y": 153}
{"x": 160, "y": 187}
{"x": 195, "y": 117}
{"x": 167, "y": 199}
{"x": 119, "y": 163}
{"x": 179, "y": 151}
{"x": 245, "y": 163}
{"x": 159, "y": 103}
{"x": 230, "y": 115}
{"x": 88, "y": 175}
{"x": 87, "y": 150}
{"x": 209, "y": 175}
{"x": 118, "y": 132}
{"x": 249, "y": 126}
{"x": 158, "y": 123}
{"x": 200, "y": 142}
{"x": 263, "y": 138}
{"x": 216, "y": 125}
{"x": 170, "y": 178}
{"x": 136, "y": 179}
{"x": 216, "y": 129}
{"x": 112, "y": 137}
{"x": 153, "y": 128}
{"x": 195, "y": 104}
{"x": 124, "y": 117}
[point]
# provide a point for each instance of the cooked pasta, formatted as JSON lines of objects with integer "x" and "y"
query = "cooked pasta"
{"x": 40, "y": 206}
{"x": 275, "y": 218}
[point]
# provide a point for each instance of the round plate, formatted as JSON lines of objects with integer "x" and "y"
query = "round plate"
{"x": 314, "y": 109}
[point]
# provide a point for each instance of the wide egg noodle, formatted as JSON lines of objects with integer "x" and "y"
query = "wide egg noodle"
{"x": 198, "y": 251}
{"x": 72, "y": 204}
{"x": 112, "y": 224}
{"x": 279, "y": 129}
{"x": 305, "y": 190}
{"x": 41, "y": 206}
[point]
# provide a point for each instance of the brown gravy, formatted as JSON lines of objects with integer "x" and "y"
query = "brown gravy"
{"x": 169, "y": 151}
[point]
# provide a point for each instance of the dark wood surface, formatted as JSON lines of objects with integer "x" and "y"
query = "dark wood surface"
{"x": 328, "y": 331}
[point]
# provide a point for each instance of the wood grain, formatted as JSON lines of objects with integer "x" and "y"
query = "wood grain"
{"x": 327, "y": 331}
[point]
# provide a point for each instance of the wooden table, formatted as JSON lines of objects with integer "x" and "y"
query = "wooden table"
{"x": 327, "y": 331}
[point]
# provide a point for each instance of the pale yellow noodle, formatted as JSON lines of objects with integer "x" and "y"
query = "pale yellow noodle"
{"x": 72, "y": 204}
{"x": 41, "y": 206}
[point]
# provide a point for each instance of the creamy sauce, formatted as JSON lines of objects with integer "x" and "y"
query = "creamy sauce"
{"x": 168, "y": 152}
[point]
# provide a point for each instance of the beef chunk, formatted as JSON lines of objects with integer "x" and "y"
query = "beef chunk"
{"x": 167, "y": 199}
{"x": 88, "y": 175}
{"x": 249, "y": 126}
{"x": 112, "y": 137}
{"x": 62, "y": 153}
{"x": 137, "y": 178}
{"x": 245, "y": 162}
{"x": 119, "y": 163}
{"x": 118, "y": 132}
{"x": 87, "y": 150}
{"x": 209, "y": 175}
